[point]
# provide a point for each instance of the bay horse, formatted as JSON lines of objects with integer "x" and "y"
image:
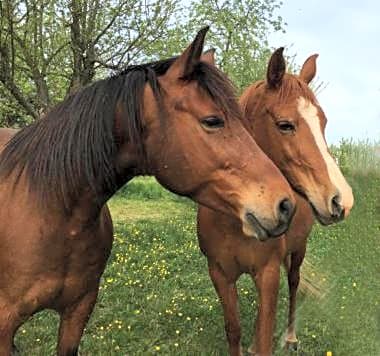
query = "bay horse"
{"x": 288, "y": 124}
{"x": 177, "y": 120}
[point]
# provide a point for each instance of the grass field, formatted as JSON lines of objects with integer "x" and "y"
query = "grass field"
{"x": 156, "y": 296}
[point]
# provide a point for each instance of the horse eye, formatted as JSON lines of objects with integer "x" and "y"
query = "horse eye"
{"x": 286, "y": 126}
{"x": 212, "y": 123}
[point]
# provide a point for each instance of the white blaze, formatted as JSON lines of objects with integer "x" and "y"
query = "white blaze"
{"x": 310, "y": 113}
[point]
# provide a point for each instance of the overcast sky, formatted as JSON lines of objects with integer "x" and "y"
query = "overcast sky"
{"x": 346, "y": 34}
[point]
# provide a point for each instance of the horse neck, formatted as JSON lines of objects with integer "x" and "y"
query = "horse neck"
{"x": 128, "y": 163}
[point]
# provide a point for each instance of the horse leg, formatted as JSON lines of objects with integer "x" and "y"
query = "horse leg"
{"x": 293, "y": 269}
{"x": 6, "y": 341}
{"x": 267, "y": 283}
{"x": 227, "y": 293}
{"x": 72, "y": 323}
{"x": 9, "y": 323}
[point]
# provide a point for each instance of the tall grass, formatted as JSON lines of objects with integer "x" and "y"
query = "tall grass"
{"x": 357, "y": 157}
{"x": 148, "y": 188}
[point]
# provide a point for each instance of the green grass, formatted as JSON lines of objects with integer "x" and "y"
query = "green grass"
{"x": 156, "y": 296}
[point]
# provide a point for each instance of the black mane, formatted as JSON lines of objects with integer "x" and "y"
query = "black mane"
{"x": 74, "y": 145}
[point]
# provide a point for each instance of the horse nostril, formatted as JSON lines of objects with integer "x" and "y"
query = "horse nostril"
{"x": 285, "y": 210}
{"x": 336, "y": 208}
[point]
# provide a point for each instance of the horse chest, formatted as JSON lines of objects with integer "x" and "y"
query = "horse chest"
{"x": 84, "y": 266}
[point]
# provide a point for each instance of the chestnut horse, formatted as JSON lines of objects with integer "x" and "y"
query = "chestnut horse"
{"x": 177, "y": 120}
{"x": 288, "y": 124}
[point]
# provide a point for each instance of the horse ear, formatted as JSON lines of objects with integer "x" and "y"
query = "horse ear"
{"x": 309, "y": 69}
{"x": 276, "y": 68}
{"x": 209, "y": 56}
{"x": 184, "y": 65}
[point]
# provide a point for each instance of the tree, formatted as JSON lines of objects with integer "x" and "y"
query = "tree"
{"x": 50, "y": 48}
{"x": 239, "y": 34}
{"x": 239, "y": 30}
{"x": 31, "y": 43}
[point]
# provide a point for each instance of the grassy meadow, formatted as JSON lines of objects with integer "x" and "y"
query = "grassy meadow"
{"x": 156, "y": 296}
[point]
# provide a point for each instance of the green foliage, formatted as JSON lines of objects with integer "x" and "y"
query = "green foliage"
{"x": 34, "y": 53}
{"x": 10, "y": 113}
{"x": 239, "y": 31}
